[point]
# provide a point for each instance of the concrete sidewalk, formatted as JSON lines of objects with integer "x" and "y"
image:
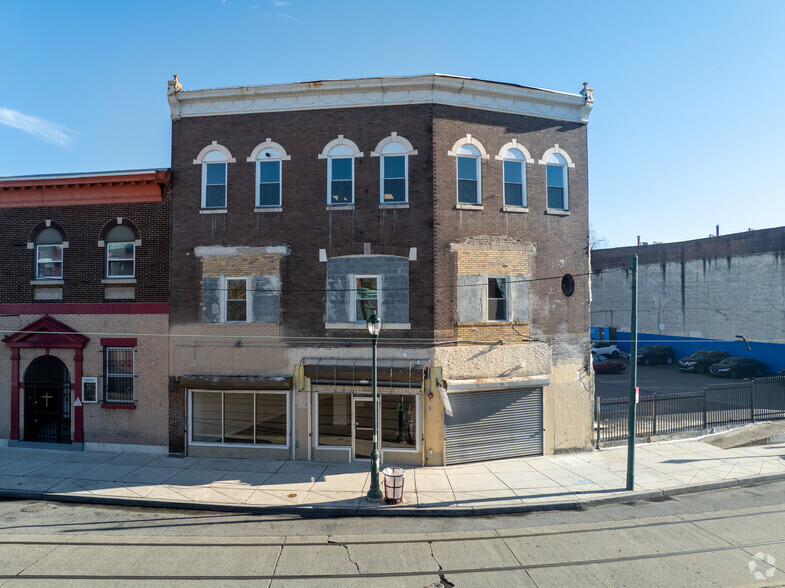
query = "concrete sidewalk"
{"x": 319, "y": 489}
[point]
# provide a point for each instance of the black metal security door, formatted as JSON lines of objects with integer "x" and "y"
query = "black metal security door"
{"x": 47, "y": 401}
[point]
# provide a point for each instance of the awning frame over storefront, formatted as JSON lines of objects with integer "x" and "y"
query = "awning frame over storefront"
{"x": 236, "y": 382}
{"x": 343, "y": 375}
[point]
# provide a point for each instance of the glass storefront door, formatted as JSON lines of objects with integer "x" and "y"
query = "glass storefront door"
{"x": 362, "y": 431}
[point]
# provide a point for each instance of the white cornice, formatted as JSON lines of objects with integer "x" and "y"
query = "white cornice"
{"x": 427, "y": 89}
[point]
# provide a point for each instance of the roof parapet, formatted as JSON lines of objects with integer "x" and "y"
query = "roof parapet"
{"x": 386, "y": 91}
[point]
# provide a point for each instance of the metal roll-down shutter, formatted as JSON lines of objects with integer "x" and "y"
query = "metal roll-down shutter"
{"x": 493, "y": 424}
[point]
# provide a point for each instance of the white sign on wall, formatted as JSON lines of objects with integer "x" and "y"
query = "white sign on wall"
{"x": 445, "y": 401}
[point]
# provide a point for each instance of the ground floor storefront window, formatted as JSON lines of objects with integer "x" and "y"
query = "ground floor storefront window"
{"x": 335, "y": 424}
{"x": 239, "y": 417}
{"x": 399, "y": 422}
{"x": 345, "y": 421}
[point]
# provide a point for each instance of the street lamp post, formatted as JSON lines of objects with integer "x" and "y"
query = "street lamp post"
{"x": 374, "y": 492}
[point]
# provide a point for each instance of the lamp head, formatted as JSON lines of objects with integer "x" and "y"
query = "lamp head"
{"x": 374, "y": 324}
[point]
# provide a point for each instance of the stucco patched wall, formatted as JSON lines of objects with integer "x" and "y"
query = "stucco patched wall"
{"x": 714, "y": 298}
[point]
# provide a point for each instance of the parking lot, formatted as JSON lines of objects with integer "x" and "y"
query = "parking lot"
{"x": 652, "y": 379}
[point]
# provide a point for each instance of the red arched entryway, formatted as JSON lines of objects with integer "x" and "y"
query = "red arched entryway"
{"x": 47, "y": 333}
{"x": 47, "y": 393}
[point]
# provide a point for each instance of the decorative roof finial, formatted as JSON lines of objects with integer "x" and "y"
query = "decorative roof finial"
{"x": 588, "y": 95}
{"x": 171, "y": 92}
{"x": 174, "y": 86}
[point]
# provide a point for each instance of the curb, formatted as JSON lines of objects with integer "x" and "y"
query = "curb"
{"x": 319, "y": 511}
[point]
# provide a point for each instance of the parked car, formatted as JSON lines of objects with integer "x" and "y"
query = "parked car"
{"x": 700, "y": 361}
{"x": 737, "y": 367}
{"x": 649, "y": 354}
{"x": 605, "y": 348}
{"x": 609, "y": 366}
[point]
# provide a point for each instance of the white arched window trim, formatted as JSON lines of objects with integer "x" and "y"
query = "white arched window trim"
{"x": 514, "y": 145}
{"x": 214, "y": 146}
{"x": 340, "y": 141}
{"x": 468, "y": 140}
{"x": 560, "y": 151}
{"x": 268, "y": 144}
{"x": 394, "y": 138}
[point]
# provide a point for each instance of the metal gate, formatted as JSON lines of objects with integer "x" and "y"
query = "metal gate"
{"x": 493, "y": 424}
{"x": 47, "y": 401}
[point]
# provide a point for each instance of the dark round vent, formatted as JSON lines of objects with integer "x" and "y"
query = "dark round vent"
{"x": 568, "y": 285}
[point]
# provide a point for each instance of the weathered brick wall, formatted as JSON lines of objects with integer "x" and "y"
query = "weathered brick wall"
{"x": 719, "y": 248}
{"x": 83, "y": 261}
{"x": 304, "y": 224}
{"x": 559, "y": 243}
{"x": 242, "y": 264}
{"x": 512, "y": 332}
{"x": 493, "y": 262}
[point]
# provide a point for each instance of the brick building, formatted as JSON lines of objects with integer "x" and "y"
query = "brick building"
{"x": 698, "y": 294}
{"x": 454, "y": 208}
{"x": 84, "y": 290}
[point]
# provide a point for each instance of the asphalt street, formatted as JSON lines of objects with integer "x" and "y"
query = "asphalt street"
{"x": 659, "y": 379}
{"x": 722, "y": 537}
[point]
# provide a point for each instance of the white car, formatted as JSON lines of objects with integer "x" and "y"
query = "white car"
{"x": 605, "y": 349}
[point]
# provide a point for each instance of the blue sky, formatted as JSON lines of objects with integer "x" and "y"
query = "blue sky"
{"x": 687, "y": 130}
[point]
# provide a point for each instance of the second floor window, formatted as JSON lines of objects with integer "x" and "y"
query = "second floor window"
{"x": 120, "y": 252}
{"x": 497, "y": 299}
{"x": 236, "y": 300}
{"x": 49, "y": 255}
{"x": 366, "y": 296}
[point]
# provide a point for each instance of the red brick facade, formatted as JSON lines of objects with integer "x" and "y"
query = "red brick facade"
{"x": 86, "y": 307}
{"x": 83, "y": 226}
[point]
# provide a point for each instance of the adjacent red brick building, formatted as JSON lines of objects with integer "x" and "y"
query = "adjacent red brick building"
{"x": 84, "y": 291}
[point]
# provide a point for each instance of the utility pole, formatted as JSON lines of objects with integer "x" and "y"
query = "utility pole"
{"x": 633, "y": 378}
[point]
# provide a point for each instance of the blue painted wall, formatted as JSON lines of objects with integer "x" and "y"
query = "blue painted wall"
{"x": 771, "y": 354}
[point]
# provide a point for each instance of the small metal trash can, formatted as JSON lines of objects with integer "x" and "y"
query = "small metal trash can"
{"x": 393, "y": 485}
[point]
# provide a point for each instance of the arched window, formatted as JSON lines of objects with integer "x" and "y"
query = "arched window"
{"x": 120, "y": 252}
{"x": 267, "y": 157}
{"x": 394, "y": 152}
{"x": 557, "y": 182}
{"x": 49, "y": 255}
{"x": 514, "y": 178}
{"x": 340, "y": 154}
{"x": 468, "y": 153}
{"x": 214, "y": 159}
{"x": 557, "y": 162}
{"x": 469, "y": 175}
{"x": 514, "y": 158}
